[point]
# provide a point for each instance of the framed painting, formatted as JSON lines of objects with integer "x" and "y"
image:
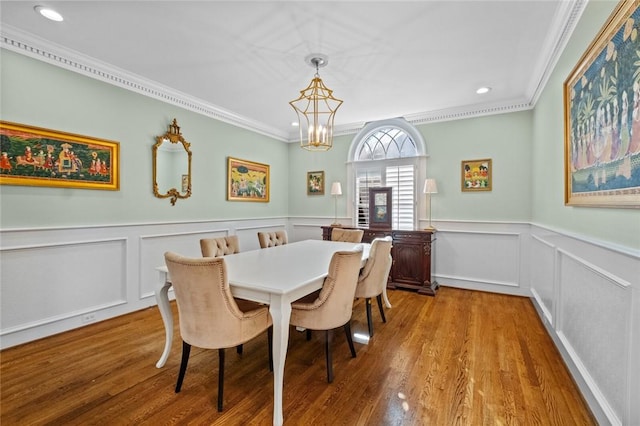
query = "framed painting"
{"x": 380, "y": 208}
{"x": 247, "y": 180}
{"x": 33, "y": 156}
{"x": 315, "y": 183}
{"x": 476, "y": 175}
{"x": 602, "y": 117}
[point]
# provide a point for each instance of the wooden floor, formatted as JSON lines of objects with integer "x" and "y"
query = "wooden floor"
{"x": 461, "y": 358}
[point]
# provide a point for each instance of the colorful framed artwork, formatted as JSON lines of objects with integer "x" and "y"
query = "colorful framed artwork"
{"x": 247, "y": 180}
{"x": 315, "y": 183}
{"x": 380, "y": 207}
{"x": 33, "y": 156}
{"x": 476, "y": 175}
{"x": 602, "y": 117}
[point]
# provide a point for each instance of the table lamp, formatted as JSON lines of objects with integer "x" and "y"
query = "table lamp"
{"x": 336, "y": 189}
{"x": 430, "y": 187}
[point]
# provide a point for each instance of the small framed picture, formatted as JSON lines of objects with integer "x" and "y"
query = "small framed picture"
{"x": 185, "y": 183}
{"x": 315, "y": 183}
{"x": 476, "y": 175}
{"x": 380, "y": 208}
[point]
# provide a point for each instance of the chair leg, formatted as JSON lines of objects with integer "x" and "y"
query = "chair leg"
{"x": 329, "y": 335}
{"x": 367, "y": 303}
{"x": 347, "y": 330}
{"x": 379, "y": 297}
{"x": 220, "y": 377}
{"x": 270, "y": 345}
{"x": 239, "y": 349}
{"x": 186, "y": 349}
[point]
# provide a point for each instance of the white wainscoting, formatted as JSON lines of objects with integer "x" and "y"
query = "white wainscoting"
{"x": 42, "y": 277}
{"x": 58, "y": 279}
{"x": 482, "y": 256}
{"x": 587, "y": 294}
{"x": 542, "y": 276}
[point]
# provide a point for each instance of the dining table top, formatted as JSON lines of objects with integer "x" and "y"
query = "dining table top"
{"x": 285, "y": 268}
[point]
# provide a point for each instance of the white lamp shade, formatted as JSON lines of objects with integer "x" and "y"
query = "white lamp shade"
{"x": 430, "y": 186}
{"x": 336, "y": 188}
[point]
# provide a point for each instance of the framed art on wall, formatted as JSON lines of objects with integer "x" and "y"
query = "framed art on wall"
{"x": 476, "y": 175}
{"x": 247, "y": 180}
{"x": 315, "y": 183}
{"x": 33, "y": 156}
{"x": 602, "y": 117}
{"x": 380, "y": 208}
{"x": 184, "y": 183}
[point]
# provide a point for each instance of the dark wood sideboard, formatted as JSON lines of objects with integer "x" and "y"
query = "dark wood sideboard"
{"x": 411, "y": 253}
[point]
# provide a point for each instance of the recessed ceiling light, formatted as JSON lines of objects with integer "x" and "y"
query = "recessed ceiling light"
{"x": 49, "y": 13}
{"x": 483, "y": 90}
{"x": 295, "y": 123}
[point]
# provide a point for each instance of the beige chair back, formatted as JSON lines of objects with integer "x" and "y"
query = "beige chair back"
{"x": 208, "y": 314}
{"x": 272, "y": 239}
{"x": 334, "y": 303}
{"x": 374, "y": 275}
{"x": 222, "y": 246}
{"x": 347, "y": 235}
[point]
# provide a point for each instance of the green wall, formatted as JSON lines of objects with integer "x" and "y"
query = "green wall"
{"x": 526, "y": 148}
{"x": 614, "y": 225}
{"x": 527, "y": 153}
{"x": 506, "y": 140}
{"x": 334, "y": 164}
{"x": 44, "y": 95}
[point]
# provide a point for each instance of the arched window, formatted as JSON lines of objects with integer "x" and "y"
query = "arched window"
{"x": 388, "y": 154}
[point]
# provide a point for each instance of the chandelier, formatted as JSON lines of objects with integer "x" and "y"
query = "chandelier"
{"x": 316, "y": 108}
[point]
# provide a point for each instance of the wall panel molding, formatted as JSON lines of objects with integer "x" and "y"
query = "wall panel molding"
{"x": 45, "y": 284}
{"x": 593, "y": 301}
{"x": 586, "y": 293}
{"x": 473, "y": 258}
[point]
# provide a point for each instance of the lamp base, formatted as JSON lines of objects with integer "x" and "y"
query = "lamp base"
{"x": 430, "y": 228}
{"x": 336, "y": 225}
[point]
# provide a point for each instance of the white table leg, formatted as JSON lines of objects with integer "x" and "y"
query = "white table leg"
{"x": 280, "y": 310}
{"x": 162, "y": 298}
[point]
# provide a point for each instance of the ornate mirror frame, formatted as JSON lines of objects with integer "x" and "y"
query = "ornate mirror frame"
{"x": 173, "y": 136}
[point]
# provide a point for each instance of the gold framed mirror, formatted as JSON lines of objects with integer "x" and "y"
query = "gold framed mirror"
{"x": 172, "y": 165}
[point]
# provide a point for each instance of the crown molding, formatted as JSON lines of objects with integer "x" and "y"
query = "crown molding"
{"x": 565, "y": 21}
{"x": 35, "y": 47}
{"x": 448, "y": 114}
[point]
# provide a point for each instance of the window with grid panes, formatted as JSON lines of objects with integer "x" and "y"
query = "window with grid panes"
{"x": 387, "y": 157}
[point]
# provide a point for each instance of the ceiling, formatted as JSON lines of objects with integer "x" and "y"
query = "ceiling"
{"x": 244, "y": 61}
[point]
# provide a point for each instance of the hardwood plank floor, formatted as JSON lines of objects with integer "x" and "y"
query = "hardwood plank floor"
{"x": 461, "y": 358}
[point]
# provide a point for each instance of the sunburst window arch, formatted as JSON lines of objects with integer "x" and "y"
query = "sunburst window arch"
{"x": 397, "y": 146}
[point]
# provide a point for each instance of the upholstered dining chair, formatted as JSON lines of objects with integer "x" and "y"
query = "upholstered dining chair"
{"x": 347, "y": 235}
{"x": 221, "y": 246}
{"x": 373, "y": 277}
{"x": 272, "y": 239}
{"x": 331, "y": 306}
{"x": 209, "y": 316}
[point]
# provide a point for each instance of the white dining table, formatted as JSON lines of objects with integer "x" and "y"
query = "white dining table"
{"x": 275, "y": 276}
